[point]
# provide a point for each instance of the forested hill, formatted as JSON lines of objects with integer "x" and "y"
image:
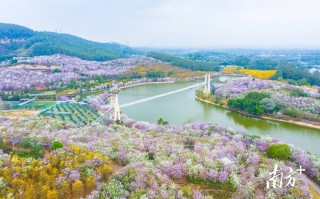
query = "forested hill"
{"x": 185, "y": 63}
{"x": 17, "y": 40}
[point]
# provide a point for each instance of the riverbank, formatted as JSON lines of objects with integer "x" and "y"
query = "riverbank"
{"x": 291, "y": 121}
{"x": 146, "y": 83}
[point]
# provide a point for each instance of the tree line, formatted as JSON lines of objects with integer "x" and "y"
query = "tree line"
{"x": 185, "y": 63}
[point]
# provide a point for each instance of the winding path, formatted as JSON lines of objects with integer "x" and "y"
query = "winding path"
{"x": 313, "y": 184}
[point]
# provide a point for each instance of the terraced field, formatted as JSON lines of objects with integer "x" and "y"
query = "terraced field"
{"x": 35, "y": 105}
{"x": 75, "y": 113}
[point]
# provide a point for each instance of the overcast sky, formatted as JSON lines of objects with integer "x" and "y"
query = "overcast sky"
{"x": 175, "y": 23}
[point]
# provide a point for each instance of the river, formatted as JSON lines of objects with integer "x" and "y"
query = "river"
{"x": 182, "y": 107}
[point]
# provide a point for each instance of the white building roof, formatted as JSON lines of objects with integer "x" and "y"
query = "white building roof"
{"x": 225, "y": 161}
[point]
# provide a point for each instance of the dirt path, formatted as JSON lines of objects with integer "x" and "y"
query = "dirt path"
{"x": 315, "y": 186}
{"x": 115, "y": 166}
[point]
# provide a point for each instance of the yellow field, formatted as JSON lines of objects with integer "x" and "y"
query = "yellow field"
{"x": 230, "y": 70}
{"x": 68, "y": 92}
{"x": 178, "y": 72}
{"x": 49, "y": 92}
{"x": 16, "y": 113}
{"x": 260, "y": 74}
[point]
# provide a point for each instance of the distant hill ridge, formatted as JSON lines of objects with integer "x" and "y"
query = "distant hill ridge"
{"x": 16, "y": 40}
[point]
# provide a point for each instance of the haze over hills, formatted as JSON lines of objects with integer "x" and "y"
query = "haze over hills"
{"x": 16, "y": 40}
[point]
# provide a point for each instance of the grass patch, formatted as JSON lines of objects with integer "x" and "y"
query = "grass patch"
{"x": 43, "y": 103}
{"x": 227, "y": 186}
{"x": 68, "y": 92}
{"x": 34, "y": 105}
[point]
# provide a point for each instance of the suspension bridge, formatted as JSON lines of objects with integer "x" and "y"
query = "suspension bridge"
{"x": 161, "y": 95}
{"x": 114, "y": 112}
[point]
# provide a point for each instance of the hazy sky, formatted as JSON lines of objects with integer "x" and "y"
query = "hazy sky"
{"x": 175, "y": 23}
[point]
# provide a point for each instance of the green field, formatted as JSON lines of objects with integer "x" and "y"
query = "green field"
{"x": 44, "y": 103}
{"x": 75, "y": 113}
{"x": 34, "y": 105}
{"x": 68, "y": 92}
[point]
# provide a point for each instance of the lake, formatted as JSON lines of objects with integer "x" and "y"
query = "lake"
{"x": 182, "y": 107}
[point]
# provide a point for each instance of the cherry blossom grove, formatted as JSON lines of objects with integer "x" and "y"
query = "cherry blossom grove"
{"x": 236, "y": 87}
{"x": 72, "y": 68}
{"x": 156, "y": 158}
{"x": 282, "y": 94}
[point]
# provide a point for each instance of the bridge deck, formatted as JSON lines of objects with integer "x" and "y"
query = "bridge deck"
{"x": 26, "y": 102}
{"x": 161, "y": 95}
{"x": 148, "y": 99}
{"x": 104, "y": 116}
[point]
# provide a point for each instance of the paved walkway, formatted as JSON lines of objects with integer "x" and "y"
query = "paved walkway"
{"x": 313, "y": 184}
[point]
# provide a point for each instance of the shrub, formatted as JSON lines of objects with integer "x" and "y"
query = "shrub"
{"x": 250, "y": 103}
{"x": 115, "y": 189}
{"x": 253, "y": 137}
{"x": 189, "y": 144}
{"x": 56, "y": 145}
{"x": 137, "y": 194}
{"x": 298, "y": 93}
{"x": 150, "y": 156}
{"x": 292, "y": 113}
{"x": 278, "y": 151}
{"x": 7, "y": 149}
{"x": 26, "y": 143}
{"x": 35, "y": 148}
{"x": 161, "y": 121}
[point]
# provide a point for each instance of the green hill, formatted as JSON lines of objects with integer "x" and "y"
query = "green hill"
{"x": 185, "y": 63}
{"x": 21, "y": 41}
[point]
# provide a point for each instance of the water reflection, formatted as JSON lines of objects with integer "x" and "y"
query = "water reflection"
{"x": 182, "y": 108}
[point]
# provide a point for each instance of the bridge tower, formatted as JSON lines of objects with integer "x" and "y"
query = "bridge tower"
{"x": 207, "y": 88}
{"x": 115, "y": 109}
